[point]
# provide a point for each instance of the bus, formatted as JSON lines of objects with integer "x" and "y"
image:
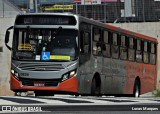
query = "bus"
{"x": 62, "y": 53}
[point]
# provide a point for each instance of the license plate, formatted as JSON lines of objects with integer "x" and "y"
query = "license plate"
{"x": 39, "y": 84}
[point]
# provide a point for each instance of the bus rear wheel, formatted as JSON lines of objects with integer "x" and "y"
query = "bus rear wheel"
{"x": 136, "y": 91}
{"x": 95, "y": 87}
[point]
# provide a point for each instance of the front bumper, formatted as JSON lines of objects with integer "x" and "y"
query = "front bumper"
{"x": 70, "y": 85}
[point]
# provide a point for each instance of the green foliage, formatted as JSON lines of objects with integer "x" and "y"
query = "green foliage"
{"x": 157, "y": 92}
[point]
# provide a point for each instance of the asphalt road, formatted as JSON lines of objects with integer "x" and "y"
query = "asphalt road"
{"x": 82, "y": 104}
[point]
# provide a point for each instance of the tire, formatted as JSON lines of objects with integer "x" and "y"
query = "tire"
{"x": 37, "y": 93}
{"x": 95, "y": 88}
{"x": 136, "y": 91}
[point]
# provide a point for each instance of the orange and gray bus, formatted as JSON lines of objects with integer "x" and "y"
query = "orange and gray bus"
{"x": 70, "y": 54}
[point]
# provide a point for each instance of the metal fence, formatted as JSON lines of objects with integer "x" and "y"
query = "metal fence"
{"x": 120, "y": 11}
{"x": 113, "y": 11}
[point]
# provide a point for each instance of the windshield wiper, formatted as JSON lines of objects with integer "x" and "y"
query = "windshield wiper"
{"x": 57, "y": 31}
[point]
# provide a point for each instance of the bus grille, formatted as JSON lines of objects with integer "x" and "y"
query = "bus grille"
{"x": 47, "y": 82}
{"x": 41, "y": 67}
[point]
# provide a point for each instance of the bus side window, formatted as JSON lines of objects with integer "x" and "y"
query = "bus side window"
{"x": 84, "y": 42}
{"x": 131, "y": 50}
{"x": 115, "y": 47}
{"x": 153, "y": 54}
{"x": 97, "y": 51}
{"x": 123, "y": 49}
{"x": 139, "y": 51}
{"x": 105, "y": 44}
{"x": 146, "y": 53}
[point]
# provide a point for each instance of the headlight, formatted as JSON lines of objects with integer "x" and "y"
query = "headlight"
{"x": 15, "y": 74}
{"x": 72, "y": 73}
{"x": 68, "y": 75}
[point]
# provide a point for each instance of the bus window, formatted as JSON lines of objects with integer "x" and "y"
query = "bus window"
{"x": 106, "y": 46}
{"x": 123, "y": 49}
{"x": 97, "y": 51}
{"x": 131, "y": 44}
{"x": 131, "y": 50}
{"x": 84, "y": 44}
{"x": 138, "y": 44}
{"x": 152, "y": 48}
{"x": 106, "y": 50}
{"x": 145, "y": 53}
{"x": 115, "y": 41}
{"x": 139, "y": 51}
{"x": 153, "y": 54}
{"x": 123, "y": 41}
{"x": 105, "y": 37}
{"x": 97, "y": 34}
{"x": 115, "y": 47}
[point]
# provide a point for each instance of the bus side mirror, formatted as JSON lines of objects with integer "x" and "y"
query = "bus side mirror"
{"x": 7, "y": 37}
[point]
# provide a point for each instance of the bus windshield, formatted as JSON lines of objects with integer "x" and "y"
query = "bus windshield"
{"x": 45, "y": 44}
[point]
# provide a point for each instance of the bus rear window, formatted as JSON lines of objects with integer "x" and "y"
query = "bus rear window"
{"x": 45, "y": 20}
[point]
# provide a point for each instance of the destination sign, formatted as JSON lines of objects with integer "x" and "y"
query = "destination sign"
{"x": 45, "y": 20}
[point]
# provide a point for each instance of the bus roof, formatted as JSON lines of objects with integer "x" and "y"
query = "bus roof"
{"x": 69, "y": 14}
{"x": 121, "y": 30}
{"x": 105, "y": 25}
{"x": 134, "y": 34}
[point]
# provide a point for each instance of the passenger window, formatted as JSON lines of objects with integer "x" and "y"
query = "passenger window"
{"x": 97, "y": 48}
{"x": 106, "y": 50}
{"x": 105, "y": 37}
{"x": 152, "y": 48}
{"x": 97, "y": 34}
{"x": 97, "y": 51}
{"x": 152, "y": 59}
{"x": 115, "y": 47}
{"x": 115, "y": 41}
{"x": 145, "y": 57}
{"x": 131, "y": 54}
{"x": 84, "y": 42}
{"x": 131, "y": 50}
{"x": 131, "y": 43}
{"x": 146, "y": 53}
{"x": 153, "y": 54}
{"x": 139, "y": 56}
{"x": 145, "y": 46}
{"x": 105, "y": 44}
{"x": 123, "y": 40}
{"x": 138, "y": 44}
{"x": 139, "y": 51}
{"x": 123, "y": 49}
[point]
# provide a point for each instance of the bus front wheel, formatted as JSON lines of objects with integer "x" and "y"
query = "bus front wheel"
{"x": 136, "y": 91}
{"x": 95, "y": 87}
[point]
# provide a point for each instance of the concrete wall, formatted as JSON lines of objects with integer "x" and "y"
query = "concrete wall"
{"x": 151, "y": 29}
{"x": 8, "y": 13}
{"x": 7, "y": 9}
{"x": 5, "y": 57}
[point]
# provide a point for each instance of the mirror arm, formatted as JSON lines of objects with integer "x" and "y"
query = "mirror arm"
{"x": 10, "y": 28}
{"x": 8, "y": 47}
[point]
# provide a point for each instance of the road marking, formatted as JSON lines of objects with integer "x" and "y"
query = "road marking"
{"x": 71, "y": 100}
{"x": 20, "y": 100}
